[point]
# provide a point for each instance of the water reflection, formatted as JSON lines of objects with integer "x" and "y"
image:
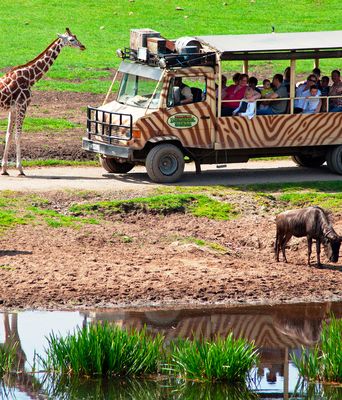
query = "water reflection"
{"x": 278, "y": 331}
{"x": 47, "y": 387}
{"x": 144, "y": 389}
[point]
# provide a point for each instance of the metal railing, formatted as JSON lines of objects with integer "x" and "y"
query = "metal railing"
{"x": 289, "y": 99}
{"x": 109, "y": 125}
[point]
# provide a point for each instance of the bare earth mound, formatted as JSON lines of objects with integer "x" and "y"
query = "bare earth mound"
{"x": 144, "y": 260}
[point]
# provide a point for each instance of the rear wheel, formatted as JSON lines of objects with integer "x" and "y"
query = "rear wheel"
{"x": 334, "y": 160}
{"x": 112, "y": 165}
{"x": 165, "y": 163}
{"x": 309, "y": 161}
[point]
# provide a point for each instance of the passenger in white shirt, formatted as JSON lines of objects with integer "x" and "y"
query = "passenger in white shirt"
{"x": 247, "y": 105}
{"x": 313, "y": 103}
{"x": 303, "y": 91}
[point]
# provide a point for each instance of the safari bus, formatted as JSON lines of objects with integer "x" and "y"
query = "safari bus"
{"x": 148, "y": 124}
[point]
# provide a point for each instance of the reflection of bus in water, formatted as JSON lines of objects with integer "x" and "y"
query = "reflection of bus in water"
{"x": 149, "y": 124}
{"x": 276, "y": 330}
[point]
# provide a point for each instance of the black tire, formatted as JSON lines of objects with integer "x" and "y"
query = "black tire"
{"x": 334, "y": 160}
{"x": 309, "y": 161}
{"x": 112, "y": 165}
{"x": 165, "y": 163}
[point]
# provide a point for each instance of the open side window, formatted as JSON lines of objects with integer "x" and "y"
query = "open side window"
{"x": 186, "y": 90}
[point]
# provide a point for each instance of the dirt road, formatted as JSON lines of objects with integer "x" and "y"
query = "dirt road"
{"x": 91, "y": 178}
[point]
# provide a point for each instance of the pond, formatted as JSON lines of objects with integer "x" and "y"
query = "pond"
{"x": 278, "y": 331}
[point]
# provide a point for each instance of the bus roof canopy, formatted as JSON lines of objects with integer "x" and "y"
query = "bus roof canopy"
{"x": 277, "y": 46}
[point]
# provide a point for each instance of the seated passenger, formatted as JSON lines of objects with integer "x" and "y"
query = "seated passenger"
{"x": 236, "y": 78}
{"x": 266, "y": 88}
{"x": 325, "y": 86}
{"x": 224, "y": 87}
{"x": 325, "y": 91}
{"x": 247, "y": 105}
{"x": 234, "y": 92}
{"x": 313, "y": 103}
{"x": 280, "y": 91}
{"x": 303, "y": 91}
{"x": 253, "y": 82}
{"x": 335, "y": 105}
{"x": 317, "y": 73}
{"x": 186, "y": 96}
{"x": 287, "y": 76}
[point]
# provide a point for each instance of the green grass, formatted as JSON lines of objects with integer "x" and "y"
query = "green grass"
{"x": 43, "y": 124}
{"x": 222, "y": 359}
{"x": 203, "y": 243}
{"x": 196, "y": 204}
{"x": 104, "y": 26}
{"x": 7, "y": 358}
{"x": 324, "y": 362}
{"x": 20, "y": 209}
{"x": 315, "y": 186}
{"x": 59, "y": 163}
{"x": 298, "y": 194}
{"x": 104, "y": 349}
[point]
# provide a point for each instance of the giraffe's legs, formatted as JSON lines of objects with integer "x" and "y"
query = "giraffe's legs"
{"x": 19, "y": 124}
{"x": 9, "y": 134}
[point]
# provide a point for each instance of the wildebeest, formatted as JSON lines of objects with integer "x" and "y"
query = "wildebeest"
{"x": 312, "y": 222}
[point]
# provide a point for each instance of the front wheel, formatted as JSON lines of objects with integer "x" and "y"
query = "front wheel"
{"x": 112, "y": 165}
{"x": 308, "y": 161}
{"x": 334, "y": 160}
{"x": 165, "y": 163}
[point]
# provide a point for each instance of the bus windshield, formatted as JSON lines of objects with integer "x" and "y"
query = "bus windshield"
{"x": 137, "y": 91}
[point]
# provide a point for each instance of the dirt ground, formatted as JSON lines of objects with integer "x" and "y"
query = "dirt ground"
{"x": 62, "y": 144}
{"x": 148, "y": 260}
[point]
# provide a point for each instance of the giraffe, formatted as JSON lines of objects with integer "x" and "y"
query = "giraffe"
{"x": 15, "y": 91}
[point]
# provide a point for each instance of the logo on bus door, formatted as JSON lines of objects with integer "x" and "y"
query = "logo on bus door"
{"x": 182, "y": 120}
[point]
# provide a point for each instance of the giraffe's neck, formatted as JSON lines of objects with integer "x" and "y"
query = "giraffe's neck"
{"x": 42, "y": 63}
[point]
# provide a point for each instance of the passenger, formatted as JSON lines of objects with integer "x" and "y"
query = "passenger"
{"x": 313, "y": 103}
{"x": 253, "y": 82}
{"x": 234, "y": 92}
{"x": 325, "y": 92}
{"x": 223, "y": 87}
{"x": 266, "y": 90}
{"x": 186, "y": 96}
{"x": 303, "y": 91}
{"x": 287, "y": 77}
{"x": 317, "y": 73}
{"x": 335, "y": 105}
{"x": 236, "y": 78}
{"x": 325, "y": 86}
{"x": 247, "y": 105}
{"x": 280, "y": 91}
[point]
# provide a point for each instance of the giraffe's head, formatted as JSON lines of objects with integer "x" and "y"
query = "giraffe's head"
{"x": 71, "y": 40}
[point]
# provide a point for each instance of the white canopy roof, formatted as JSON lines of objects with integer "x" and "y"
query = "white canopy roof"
{"x": 310, "y": 42}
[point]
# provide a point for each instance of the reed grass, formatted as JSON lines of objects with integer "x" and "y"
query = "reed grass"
{"x": 7, "y": 357}
{"x": 107, "y": 350}
{"x": 104, "y": 349}
{"x": 222, "y": 359}
{"x": 324, "y": 362}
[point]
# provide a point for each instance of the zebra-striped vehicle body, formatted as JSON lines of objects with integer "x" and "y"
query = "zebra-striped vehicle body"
{"x": 147, "y": 126}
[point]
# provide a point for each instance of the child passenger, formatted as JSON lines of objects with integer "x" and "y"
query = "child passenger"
{"x": 313, "y": 103}
{"x": 266, "y": 88}
{"x": 247, "y": 105}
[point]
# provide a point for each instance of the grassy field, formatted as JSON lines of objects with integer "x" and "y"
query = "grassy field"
{"x": 28, "y": 26}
